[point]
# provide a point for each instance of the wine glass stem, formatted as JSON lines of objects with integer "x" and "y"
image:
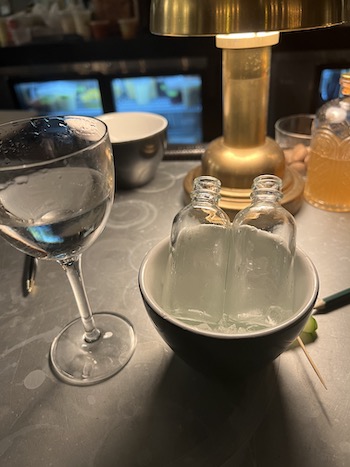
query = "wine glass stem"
{"x": 72, "y": 268}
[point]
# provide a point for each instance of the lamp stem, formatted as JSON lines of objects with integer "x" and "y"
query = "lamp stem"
{"x": 246, "y": 78}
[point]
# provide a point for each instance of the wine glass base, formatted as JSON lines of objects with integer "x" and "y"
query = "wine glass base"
{"x": 80, "y": 363}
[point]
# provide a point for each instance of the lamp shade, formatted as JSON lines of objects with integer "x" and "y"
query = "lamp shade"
{"x": 211, "y": 17}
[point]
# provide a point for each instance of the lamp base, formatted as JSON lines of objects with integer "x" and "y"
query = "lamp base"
{"x": 234, "y": 199}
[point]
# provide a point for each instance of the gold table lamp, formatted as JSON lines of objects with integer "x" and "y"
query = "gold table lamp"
{"x": 245, "y": 30}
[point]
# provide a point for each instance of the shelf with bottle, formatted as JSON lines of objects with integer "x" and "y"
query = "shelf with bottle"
{"x": 69, "y": 20}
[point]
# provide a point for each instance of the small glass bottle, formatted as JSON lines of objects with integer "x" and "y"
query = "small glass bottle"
{"x": 259, "y": 287}
{"x": 195, "y": 277}
{"x": 328, "y": 171}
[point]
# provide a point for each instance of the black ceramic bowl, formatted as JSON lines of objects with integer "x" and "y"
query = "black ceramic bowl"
{"x": 138, "y": 141}
{"x": 229, "y": 356}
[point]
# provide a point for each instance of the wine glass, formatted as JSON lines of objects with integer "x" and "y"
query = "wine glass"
{"x": 56, "y": 193}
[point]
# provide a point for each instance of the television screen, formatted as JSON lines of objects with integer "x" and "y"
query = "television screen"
{"x": 176, "y": 97}
{"x": 57, "y": 97}
{"x": 329, "y": 86}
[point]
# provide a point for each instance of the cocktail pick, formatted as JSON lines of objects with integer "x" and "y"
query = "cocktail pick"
{"x": 312, "y": 363}
{"x": 325, "y": 305}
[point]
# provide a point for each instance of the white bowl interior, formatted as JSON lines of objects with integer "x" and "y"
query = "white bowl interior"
{"x": 153, "y": 268}
{"x": 132, "y": 126}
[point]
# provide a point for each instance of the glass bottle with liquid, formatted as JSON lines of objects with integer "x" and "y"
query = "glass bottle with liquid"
{"x": 328, "y": 172}
{"x": 194, "y": 282}
{"x": 260, "y": 286}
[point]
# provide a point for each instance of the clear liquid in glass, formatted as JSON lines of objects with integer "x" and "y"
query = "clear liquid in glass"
{"x": 196, "y": 271}
{"x": 261, "y": 293}
{"x": 60, "y": 226}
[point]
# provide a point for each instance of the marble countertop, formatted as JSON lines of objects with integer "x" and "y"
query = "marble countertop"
{"x": 158, "y": 412}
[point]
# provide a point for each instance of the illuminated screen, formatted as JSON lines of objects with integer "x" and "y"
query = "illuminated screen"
{"x": 329, "y": 83}
{"x": 81, "y": 97}
{"x": 176, "y": 97}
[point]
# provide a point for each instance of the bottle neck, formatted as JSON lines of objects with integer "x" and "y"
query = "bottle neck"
{"x": 266, "y": 189}
{"x": 204, "y": 197}
{"x": 344, "y": 81}
{"x": 336, "y": 111}
{"x": 266, "y": 196}
{"x": 206, "y": 190}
